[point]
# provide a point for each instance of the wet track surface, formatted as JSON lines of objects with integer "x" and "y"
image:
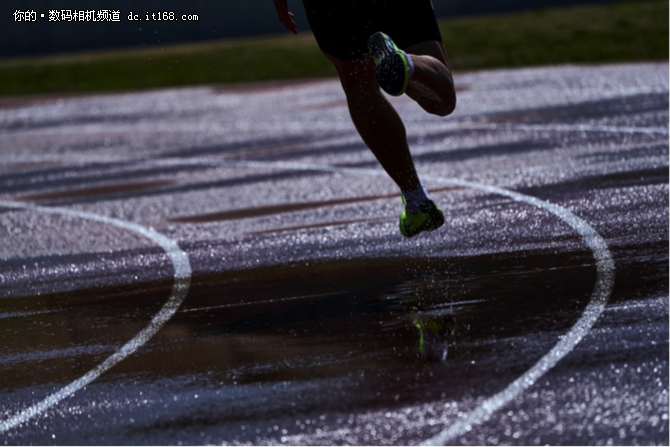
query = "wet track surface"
{"x": 296, "y": 313}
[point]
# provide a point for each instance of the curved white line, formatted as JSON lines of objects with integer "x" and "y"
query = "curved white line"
{"x": 182, "y": 281}
{"x": 605, "y": 271}
{"x": 603, "y": 288}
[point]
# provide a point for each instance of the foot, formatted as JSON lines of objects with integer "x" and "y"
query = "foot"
{"x": 428, "y": 218}
{"x": 393, "y": 66}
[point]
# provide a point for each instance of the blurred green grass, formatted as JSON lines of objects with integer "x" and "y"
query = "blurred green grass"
{"x": 621, "y": 32}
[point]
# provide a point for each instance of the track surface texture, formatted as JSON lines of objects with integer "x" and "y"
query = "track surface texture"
{"x": 224, "y": 266}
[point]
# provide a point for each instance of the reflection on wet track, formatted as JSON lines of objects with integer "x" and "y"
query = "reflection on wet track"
{"x": 309, "y": 320}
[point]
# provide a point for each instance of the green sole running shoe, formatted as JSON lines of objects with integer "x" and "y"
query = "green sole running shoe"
{"x": 393, "y": 65}
{"x": 428, "y": 218}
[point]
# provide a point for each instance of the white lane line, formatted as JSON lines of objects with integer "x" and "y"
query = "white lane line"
{"x": 605, "y": 271}
{"x": 455, "y": 126}
{"x": 604, "y": 283}
{"x": 571, "y": 128}
{"x": 182, "y": 282}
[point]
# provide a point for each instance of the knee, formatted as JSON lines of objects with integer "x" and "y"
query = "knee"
{"x": 446, "y": 105}
{"x": 355, "y": 76}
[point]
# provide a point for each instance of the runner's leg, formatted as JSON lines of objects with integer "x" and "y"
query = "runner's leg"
{"x": 342, "y": 29}
{"x": 378, "y": 123}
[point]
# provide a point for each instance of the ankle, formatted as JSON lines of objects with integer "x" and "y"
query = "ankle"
{"x": 415, "y": 198}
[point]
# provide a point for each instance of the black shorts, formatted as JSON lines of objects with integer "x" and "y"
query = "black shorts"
{"x": 342, "y": 27}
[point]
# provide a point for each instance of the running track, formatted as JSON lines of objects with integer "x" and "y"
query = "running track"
{"x": 223, "y": 266}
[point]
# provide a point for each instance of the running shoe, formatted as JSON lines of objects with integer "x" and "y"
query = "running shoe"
{"x": 393, "y": 66}
{"x": 428, "y": 218}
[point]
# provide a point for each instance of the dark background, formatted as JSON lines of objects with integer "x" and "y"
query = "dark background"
{"x": 217, "y": 19}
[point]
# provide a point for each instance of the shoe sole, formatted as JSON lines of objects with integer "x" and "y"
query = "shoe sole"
{"x": 391, "y": 72}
